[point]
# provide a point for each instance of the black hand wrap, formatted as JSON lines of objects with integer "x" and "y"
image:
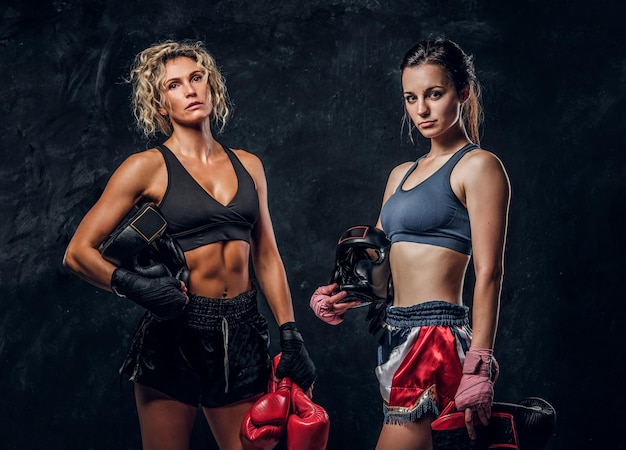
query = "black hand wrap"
{"x": 295, "y": 362}
{"x": 161, "y": 296}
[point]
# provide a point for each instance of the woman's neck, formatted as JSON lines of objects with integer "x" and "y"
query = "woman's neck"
{"x": 193, "y": 141}
{"x": 449, "y": 142}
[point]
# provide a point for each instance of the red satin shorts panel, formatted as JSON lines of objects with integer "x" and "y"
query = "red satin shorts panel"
{"x": 422, "y": 372}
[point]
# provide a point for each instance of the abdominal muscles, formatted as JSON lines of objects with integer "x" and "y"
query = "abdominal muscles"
{"x": 423, "y": 272}
{"x": 220, "y": 269}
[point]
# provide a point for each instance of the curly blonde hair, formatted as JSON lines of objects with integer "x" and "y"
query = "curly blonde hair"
{"x": 147, "y": 76}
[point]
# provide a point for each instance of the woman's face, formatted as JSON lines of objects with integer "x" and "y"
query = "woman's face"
{"x": 186, "y": 92}
{"x": 431, "y": 100}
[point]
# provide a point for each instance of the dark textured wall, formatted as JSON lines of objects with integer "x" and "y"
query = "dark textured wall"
{"x": 317, "y": 95}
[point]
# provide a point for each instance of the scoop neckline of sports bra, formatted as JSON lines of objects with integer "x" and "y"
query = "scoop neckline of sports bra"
{"x": 415, "y": 164}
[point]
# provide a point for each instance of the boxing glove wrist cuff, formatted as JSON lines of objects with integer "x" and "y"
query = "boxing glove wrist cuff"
{"x": 289, "y": 331}
{"x": 118, "y": 282}
{"x": 295, "y": 362}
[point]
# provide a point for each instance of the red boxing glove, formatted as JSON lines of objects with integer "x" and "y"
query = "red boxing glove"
{"x": 308, "y": 425}
{"x": 265, "y": 423}
{"x": 322, "y": 302}
{"x": 480, "y": 372}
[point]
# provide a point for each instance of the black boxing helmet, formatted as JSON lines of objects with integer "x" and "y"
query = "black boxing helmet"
{"x": 362, "y": 264}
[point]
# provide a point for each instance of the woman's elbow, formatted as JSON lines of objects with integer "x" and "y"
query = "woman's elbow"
{"x": 70, "y": 260}
{"x": 493, "y": 274}
{"x": 67, "y": 260}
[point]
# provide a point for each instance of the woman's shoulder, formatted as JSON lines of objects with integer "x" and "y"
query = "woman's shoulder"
{"x": 145, "y": 161}
{"x": 481, "y": 166}
{"x": 146, "y": 156}
{"x": 395, "y": 177}
{"x": 241, "y": 153}
{"x": 479, "y": 159}
{"x": 250, "y": 161}
{"x": 403, "y": 167}
{"x": 398, "y": 172}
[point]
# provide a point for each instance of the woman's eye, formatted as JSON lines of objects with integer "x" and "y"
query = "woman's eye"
{"x": 173, "y": 86}
{"x": 435, "y": 94}
{"x": 409, "y": 98}
{"x": 197, "y": 78}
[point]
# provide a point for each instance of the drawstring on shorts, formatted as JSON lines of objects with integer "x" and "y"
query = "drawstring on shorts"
{"x": 216, "y": 314}
{"x": 225, "y": 334}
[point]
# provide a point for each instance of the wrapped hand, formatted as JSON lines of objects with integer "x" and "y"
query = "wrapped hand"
{"x": 295, "y": 362}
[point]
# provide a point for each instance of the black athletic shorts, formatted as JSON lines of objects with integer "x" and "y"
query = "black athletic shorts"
{"x": 215, "y": 354}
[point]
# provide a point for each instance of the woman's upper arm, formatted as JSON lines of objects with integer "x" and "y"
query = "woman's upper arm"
{"x": 487, "y": 195}
{"x": 127, "y": 185}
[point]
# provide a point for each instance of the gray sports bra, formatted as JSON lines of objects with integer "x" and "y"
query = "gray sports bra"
{"x": 429, "y": 213}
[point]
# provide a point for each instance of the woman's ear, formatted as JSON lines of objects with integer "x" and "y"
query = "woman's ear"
{"x": 465, "y": 92}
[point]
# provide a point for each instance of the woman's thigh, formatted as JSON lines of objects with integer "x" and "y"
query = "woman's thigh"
{"x": 165, "y": 423}
{"x": 225, "y": 422}
{"x": 407, "y": 436}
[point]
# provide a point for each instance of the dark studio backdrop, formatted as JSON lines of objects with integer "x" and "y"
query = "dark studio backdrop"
{"x": 316, "y": 89}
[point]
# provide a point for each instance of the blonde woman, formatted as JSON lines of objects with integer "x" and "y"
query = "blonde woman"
{"x": 205, "y": 343}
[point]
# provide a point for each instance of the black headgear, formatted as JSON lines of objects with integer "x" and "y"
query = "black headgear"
{"x": 362, "y": 264}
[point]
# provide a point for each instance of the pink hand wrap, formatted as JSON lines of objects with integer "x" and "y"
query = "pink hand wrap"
{"x": 322, "y": 307}
{"x": 480, "y": 372}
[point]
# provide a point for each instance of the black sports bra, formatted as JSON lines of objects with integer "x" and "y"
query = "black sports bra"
{"x": 195, "y": 218}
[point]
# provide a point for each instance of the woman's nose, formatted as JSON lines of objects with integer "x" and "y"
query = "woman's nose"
{"x": 422, "y": 107}
{"x": 189, "y": 89}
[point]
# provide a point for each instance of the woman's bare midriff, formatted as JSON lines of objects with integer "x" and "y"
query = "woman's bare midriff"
{"x": 220, "y": 269}
{"x": 424, "y": 272}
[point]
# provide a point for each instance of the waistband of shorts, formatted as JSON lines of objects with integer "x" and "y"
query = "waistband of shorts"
{"x": 208, "y": 314}
{"x": 436, "y": 312}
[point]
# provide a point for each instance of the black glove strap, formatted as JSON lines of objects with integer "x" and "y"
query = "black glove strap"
{"x": 295, "y": 361}
{"x": 289, "y": 332}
